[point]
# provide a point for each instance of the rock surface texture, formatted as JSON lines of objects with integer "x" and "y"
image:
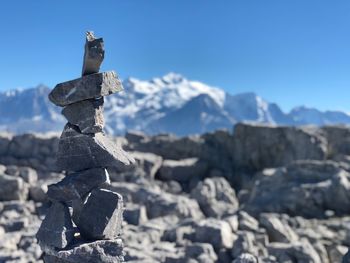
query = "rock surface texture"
{"x": 188, "y": 199}
{"x": 84, "y": 151}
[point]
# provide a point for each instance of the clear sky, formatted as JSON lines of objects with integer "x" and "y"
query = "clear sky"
{"x": 293, "y": 52}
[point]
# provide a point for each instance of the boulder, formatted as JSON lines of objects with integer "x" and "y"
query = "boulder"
{"x": 12, "y": 188}
{"x": 101, "y": 251}
{"x": 215, "y": 232}
{"x": 245, "y": 258}
{"x": 77, "y": 185}
{"x": 233, "y": 222}
{"x": 183, "y": 170}
{"x": 247, "y": 222}
{"x": 146, "y": 165}
{"x": 161, "y": 204}
{"x": 86, "y": 114}
{"x": 294, "y": 189}
{"x": 276, "y": 230}
{"x": 201, "y": 250}
{"x": 77, "y": 151}
{"x": 101, "y": 215}
{"x": 37, "y": 193}
{"x": 168, "y": 146}
{"x": 259, "y": 146}
{"x": 248, "y": 242}
{"x": 29, "y": 175}
{"x": 94, "y": 54}
{"x": 215, "y": 197}
{"x": 5, "y": 139}
{"x": 135, "y": 137}
{"x": 180, "y": 234}
{"x": 297, "y": 252}
{"x": 56, "y": 230}
{"x": 338, "y": 138}
{"x": 87, "y": 87}
{"x": 157, "y": 202}
{"x": 336, "y": 252}
{"x": 135, "y": 214}
{"x": 346, "y": 258}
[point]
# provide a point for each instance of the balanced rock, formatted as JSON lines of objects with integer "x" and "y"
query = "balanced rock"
{"x": 77, "y": 151}
{"x": 57, "y": 229}
{"x": 78, "y": 184}
{"x": 86, "y": 114}
{"x": 101, "y": 215}
{"x": 87, "y": 87}
{"x": 101, "y": 251}
{"x": 94, "y": 54}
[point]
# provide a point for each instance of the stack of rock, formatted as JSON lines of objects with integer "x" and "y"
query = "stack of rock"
{"x": 84, "y": 221}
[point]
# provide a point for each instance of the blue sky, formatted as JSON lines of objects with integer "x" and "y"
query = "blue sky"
{"x": 293, "y": 52}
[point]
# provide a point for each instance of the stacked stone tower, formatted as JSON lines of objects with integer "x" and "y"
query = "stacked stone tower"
{"x": 84, "y": 221}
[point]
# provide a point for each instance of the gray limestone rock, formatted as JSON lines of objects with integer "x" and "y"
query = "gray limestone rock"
{"x": 346, "y": 258}
{"x": 12, "y": 188}
{"x": 294, "y": 189}
{"x": 86, "y": 114}
{"x": 77, "y": 151}
{"x": 101, "y": 215}
{"x": 182, "y": 170}
{"x": 246, "y": 258}
{"x": 247, "y": 242}
{"x": 276, "y": 230}
{"x": 101, "y": 251}
{"x": 87, "y": 87}
{"x": 259, "y": 146}
{"x": 56, "y": 230}
{"x": 215, "y": 197}
{"x": 297, "y": 252}
{"x": 77, "y": 185}
{"x": 135, "y": 214}
{"x": 216, "y": 232}
{"x": 94, "y": 54}
{"x": 197, "y": 250}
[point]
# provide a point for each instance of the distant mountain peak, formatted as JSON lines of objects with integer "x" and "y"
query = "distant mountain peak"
{"x": 171, "y": 103}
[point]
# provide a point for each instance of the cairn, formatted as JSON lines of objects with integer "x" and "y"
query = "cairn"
{"x": 83, "y": 223}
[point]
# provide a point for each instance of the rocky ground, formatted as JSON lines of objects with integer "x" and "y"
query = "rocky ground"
{"x": 267, "y": 194}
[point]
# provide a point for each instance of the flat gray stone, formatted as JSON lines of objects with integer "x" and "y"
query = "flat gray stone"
{"x": 94, "y": 54}
{"x": 87, "y": 87}
{"x": 101, "y": 251}
{"x": 77, "y": 185}
{"x": 56, "y": 230}
{"x": 101, "y": 215}
{"x": 86, "y": 114}
{"x": 77, "y": 151}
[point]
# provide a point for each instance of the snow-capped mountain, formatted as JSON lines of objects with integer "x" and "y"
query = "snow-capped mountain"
{"x": 171, "y": 103}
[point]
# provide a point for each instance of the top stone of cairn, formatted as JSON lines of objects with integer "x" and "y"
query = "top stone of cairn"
{"x": 94, "y": 54}
{"x": 92, "y": 84}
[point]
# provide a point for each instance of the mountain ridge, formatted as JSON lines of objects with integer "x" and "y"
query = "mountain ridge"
{"x": 170, "y": 104}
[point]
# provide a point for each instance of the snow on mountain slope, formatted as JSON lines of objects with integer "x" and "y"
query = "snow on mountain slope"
{"x": 200, "y": 114}
{"x": 170, "y": 103}
{"x": 142, "y": 103}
